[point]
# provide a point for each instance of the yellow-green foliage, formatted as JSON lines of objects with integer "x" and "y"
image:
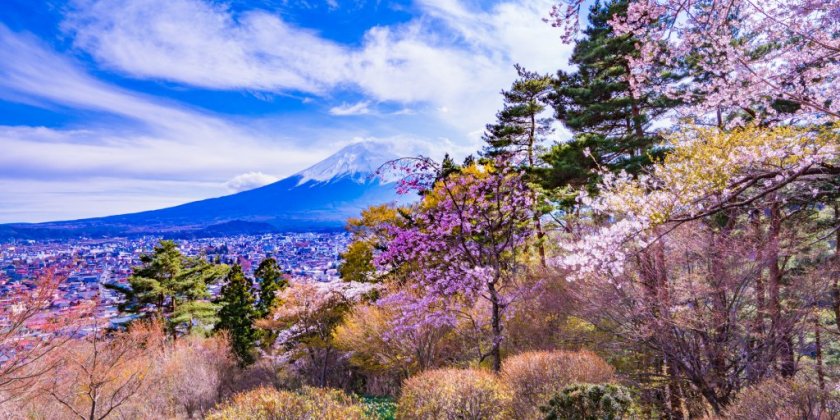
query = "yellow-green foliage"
{"x": 535, "y": 377}
{"x": 707, "y": 163}
{"x": 308, "y": 403}
{"x": 369, "y": 232}
{"x": 448, "y": 394}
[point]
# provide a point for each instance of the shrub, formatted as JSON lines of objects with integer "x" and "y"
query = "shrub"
{"x": 308, "y": 403}
{"x": 188, "y": 374}
{"x": 381, "y": 408}
{"x": 589, "y": 402}
{"x": 535, "y": 377}
{"x": 454, "y": 394}
{"x": 783, "y": 399}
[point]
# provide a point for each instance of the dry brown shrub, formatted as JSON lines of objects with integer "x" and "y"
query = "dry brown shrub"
{"x": 137, "y": 374}
{"x": 309, "y": 403}
{"x": 449, "y": 394}
{"x": 783, "y": 399}
{"x": 534, "y": 377}
{"x": 367, "y": 333}
{"x": 189, "y": 374}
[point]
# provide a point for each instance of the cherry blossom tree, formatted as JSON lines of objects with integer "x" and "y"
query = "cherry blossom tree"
{"x": 715, "y": 259}
{"x": 755, "y": 58}
{"x": 32, "y": 327}
{"x": 707, "y": 171}
{"x": 464, "y": 243}
{"x": 99, "y": 374}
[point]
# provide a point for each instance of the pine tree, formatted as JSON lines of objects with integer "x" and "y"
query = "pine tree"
{"x": 520, "y": 127}
{"x": 271, "y": 281}
{"x": 519, "y": 131}
{"x": 171, "y": 287}
{"x": 237, "y": 314}
{"x": 610, "y": 122}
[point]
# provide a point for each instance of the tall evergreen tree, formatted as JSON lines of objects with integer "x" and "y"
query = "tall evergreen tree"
{"x": 520, "y": 127}
{"x": 271, "y": 281}
{"x": 171, "y": 287}
{"x": 611, "y": 123}
{"x": 237, "y": 314}
{"x": 519, "y": 131}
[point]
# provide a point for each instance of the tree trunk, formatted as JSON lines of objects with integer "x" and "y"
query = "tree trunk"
{"x": 532, "y": 162}
{"x": 780, "y": 332}
{"x": 818, "y": 355}
{"x": 324, "y": 367}
{"x": 835, "y": 287}
{"x": 496, "y": 350}
{"x": 757, "y": 368}
{"x": 675, "y": 397}
{"x": 540, "y": 236}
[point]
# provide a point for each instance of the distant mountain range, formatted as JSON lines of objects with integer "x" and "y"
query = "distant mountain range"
{"x": 319, "y": 198}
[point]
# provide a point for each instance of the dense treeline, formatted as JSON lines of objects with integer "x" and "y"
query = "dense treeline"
{"x": 676, "y": 258}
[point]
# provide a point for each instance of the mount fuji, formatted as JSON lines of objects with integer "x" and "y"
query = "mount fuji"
{"x": 319, "y": 198}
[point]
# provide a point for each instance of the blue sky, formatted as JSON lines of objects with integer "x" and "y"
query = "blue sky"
{"x": 110, "y": 107}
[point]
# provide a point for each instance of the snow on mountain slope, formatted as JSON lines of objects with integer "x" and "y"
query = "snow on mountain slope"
{"x": 318, "y": 198}
{"x": 359, "y": 161}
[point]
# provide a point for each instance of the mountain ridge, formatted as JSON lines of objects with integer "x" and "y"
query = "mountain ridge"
{"x": 318, "y": 198}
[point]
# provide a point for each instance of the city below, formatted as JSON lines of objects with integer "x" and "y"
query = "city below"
{"x": 89, "y": 264}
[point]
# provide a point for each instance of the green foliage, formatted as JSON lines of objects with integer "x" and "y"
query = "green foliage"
{"x": 172, "y": 287}
{"x": 380, "y": 408}
{"x": 237, "y": 314}
{"x": 358, "y": 262}
{"x": 610, "y": 121}
{"x": 589, "y": 402}
{"x": 369, "y": 234}
{"x": 271, "y": 281}
{"x": 519, "y": 127}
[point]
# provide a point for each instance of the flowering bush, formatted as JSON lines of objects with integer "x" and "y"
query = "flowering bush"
{"x": 783, "y": 399}
{"x": 454, "y": 394}
{"x": 589, "y": 402}
{"x": 534, "y": 377}
{"x": 309, "y": 403}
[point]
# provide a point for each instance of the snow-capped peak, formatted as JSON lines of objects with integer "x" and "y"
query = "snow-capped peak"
{"x": 358, "y": 160}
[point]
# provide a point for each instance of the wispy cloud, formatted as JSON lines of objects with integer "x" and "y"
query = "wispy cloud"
{"x": 451, "y": 56}
{"x": 435, "y": 77}
{"x": 154, "y": 137}
{"x": 345, "y": 109}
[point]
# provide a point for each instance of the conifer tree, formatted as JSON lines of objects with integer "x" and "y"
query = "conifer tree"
{"x": 237, "y": 314}
{"x": 171, "y": 287}
{"x": 271, "y": 281}
{"x": 611, "y": 123}
{"x": 519, "y": 131}
{"x": 520, "y": 127}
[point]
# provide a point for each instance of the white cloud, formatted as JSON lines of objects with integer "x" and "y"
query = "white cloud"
{"x": 203, "y": 44}
{"x": 451, "y": 57}
{"x": 155, "y": 139}
{"x": 249, "y": 181}
{"x": 443, "y": 68}
{"x": 345, "y": 109}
